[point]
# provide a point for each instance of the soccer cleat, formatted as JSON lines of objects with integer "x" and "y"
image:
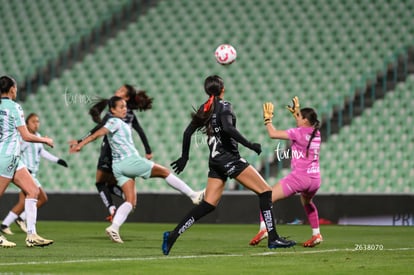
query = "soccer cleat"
{"x": 113, "y": 235}
{"x": 36, "y": 240}
{"x": 262, "y": 234}
{"x": 111, "y": 216}
{"x": 22, "y": 224}
{"x": 6, "y": 230}
{"x": 167, "y": 243}
{"x": 199, "y": 197}
{"x": 281, "y": 242}
{"x": 315, "y": 240}
{"x": 5, "y": 243}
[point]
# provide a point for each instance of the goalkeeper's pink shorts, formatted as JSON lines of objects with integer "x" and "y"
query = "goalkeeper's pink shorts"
{"x": 306, "y": 186}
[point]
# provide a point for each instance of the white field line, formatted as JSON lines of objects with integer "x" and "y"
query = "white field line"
{"x": 198, "y": 256}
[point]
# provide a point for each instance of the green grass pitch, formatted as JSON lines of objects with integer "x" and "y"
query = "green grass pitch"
{"x": 83, "y": 248}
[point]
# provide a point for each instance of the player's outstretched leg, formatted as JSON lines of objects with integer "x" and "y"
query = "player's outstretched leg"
{"x": 194, "y": 215}
{"x": 198, "y": 197}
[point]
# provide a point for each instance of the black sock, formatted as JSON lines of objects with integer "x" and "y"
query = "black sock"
{"x": 116, "y": 190}
{"x": 194, "y": 215}
{"x": 104, "y": 194}
{"x": 266, "y": 207}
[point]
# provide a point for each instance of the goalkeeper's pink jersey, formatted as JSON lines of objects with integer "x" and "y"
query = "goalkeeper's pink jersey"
{"x": 300, "y": 164}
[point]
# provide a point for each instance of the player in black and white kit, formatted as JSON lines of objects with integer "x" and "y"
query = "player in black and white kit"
{"x": 216, "y": 119}
{"x": 105, "y": 180}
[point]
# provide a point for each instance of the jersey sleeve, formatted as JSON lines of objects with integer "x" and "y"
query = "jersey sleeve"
{"x": 48, "y": 156}
{"x": 292, "y": 133}
{"x": 189, "y": 131}
{"x": 137, "y": 127}
{"x": 112, "y": 125}
{"x": 18, "y": 115}
{"x": 226, "y": 122}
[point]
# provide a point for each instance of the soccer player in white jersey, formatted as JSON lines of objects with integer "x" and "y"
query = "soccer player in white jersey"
{"x": 12, "y": 125}
{"x": 127, "y": 164}
{"x": 30, "y": 156}
{"x": 305, "y": 177}
{"x": 105, "y": 180}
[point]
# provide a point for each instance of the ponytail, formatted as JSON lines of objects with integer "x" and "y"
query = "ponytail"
{"x": 96, "y": 110}
{"x": 311, "y": 115}
{"x": 213, "y": 86}
{"x": 207, "y": 105}
{"x": 140, "y": 101}
{"x": 316, "y": 127}
{"x": 201, "y": 118}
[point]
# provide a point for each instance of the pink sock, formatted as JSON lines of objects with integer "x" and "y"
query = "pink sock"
{"x": 312, "y": 214}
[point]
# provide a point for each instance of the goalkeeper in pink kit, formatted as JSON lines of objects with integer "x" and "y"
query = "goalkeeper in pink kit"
{"x": 305, "y": 176}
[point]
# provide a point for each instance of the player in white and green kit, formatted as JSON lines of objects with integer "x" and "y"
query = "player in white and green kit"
{"x": 127, "y": 164}
{"x": 31, "y": 153}
{"x": 12, "y": 125}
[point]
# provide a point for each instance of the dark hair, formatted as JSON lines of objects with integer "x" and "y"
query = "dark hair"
{"x": 6, "y": 82}
{"x": 30, "y": 116}
{"x": 137, "y": 101}
{"x": 311, "y": 115}
{"x": 213, "y": 85}
{"x": 112, "y": 102}
{"x": 96, "y": 110}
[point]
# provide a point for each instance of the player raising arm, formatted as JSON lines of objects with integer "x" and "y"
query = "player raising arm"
{"x": 216, "y": 119}
{"x": 304, "y": 177}
{"x": 105, "y": 180}
{"x": 127, "y": 164}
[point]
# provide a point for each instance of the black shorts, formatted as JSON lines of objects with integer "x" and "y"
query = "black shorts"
{"x": 224, "y": 167}
{"x": 105, "y": 157}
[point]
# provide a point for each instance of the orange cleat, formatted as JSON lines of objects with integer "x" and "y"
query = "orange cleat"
{"x": 262, "y": 234}
{"x": 315, "y": 240}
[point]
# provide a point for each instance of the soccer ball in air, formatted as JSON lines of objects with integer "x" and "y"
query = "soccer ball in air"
{"x": 225, "y": 54}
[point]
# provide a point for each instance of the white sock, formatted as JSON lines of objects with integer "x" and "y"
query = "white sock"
{"x": 176, "y": 183}
{"x": 262, "y": 225}
{"x": 315, "y": 231}
{"x": 121, "y": 215}
{"x": 112, "y": 210}
{"x": 23, "y": 215}
{"x": 10, "y": 218}
{"x": 31, "y": 213}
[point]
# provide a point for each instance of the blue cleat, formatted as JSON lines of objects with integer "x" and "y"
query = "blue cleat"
{"x": 281, "y": 242}
{"x": 166, "y": 245}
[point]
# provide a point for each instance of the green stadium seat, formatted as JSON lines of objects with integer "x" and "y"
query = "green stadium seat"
{"x": 315, "y": 51}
